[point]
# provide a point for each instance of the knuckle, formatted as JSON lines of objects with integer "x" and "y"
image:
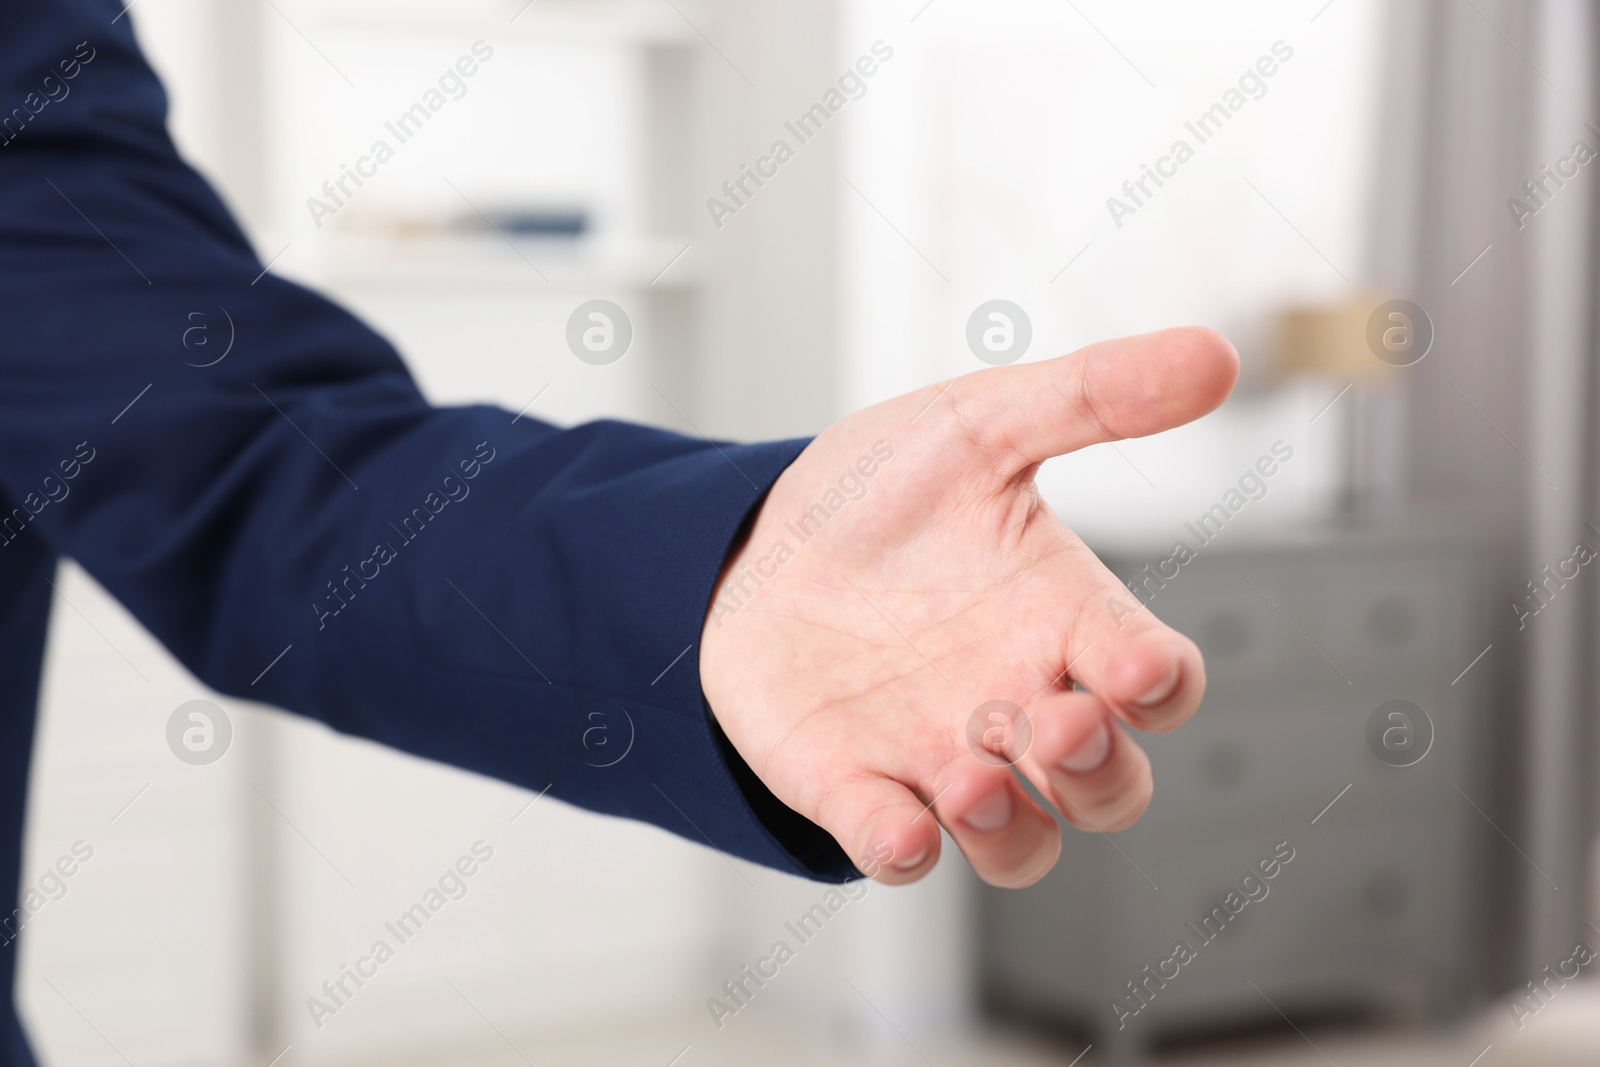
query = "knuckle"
{"x": 973, "y": 400}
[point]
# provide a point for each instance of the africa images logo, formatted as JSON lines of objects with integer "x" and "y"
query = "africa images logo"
{"x": 199, "y": 732}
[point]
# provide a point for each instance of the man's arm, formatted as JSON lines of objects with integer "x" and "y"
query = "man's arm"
{"x": 453, "y": 582}
{"x": 477, "y": 589}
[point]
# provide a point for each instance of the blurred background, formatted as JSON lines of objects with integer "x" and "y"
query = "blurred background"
{"x": 1387, "y": 204}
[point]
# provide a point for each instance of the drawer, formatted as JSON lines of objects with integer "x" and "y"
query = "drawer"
{"x": 1392, "y": 611}
{"x": 1295, "y": 754}
{"x": 1373, "y": 897}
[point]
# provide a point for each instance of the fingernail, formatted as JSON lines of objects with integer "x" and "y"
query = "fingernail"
{"x": 1091, "y": 754}
{"x": 910, "y": 863}
{"x": 991, "y": 813}
{"x": 1161, "y": 690}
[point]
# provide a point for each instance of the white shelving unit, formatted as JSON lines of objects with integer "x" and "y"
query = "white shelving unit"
{"x": 509, "y": 294}
{"x": 480, "y": 316}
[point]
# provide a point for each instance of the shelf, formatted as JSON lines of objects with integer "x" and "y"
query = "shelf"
{"x": 488, "y": 262}
{"x": 626, "y": 22}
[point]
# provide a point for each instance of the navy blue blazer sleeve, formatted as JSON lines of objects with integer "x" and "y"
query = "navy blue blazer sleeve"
{"x": 299, "y": 526}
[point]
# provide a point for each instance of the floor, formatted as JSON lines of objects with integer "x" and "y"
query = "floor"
{"x": 1565, "y": 1034}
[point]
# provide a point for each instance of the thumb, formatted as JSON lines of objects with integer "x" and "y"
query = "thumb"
{"x": 1130, "y": 387}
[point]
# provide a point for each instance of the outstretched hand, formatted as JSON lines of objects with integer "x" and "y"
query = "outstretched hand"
{"x": 903, "y": 591}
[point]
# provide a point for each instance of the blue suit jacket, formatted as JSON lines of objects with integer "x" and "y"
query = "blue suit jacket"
{"x": 449, "y": 581}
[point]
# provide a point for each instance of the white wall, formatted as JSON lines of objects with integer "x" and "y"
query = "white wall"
{"x": 995, "y": 138}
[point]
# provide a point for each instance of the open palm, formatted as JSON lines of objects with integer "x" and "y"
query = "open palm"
{"x": 907, "y": 620}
